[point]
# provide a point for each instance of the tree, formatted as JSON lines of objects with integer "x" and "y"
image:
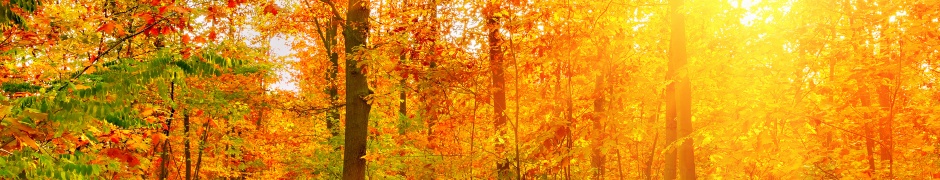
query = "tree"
{"x": 357, "y": 90}
{"x": 495, "y": 44}
{"x": 680, "y": 95}
{"x": 250, "y": 89}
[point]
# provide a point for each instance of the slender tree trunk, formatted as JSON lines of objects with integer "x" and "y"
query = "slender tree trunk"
{"x": 499, "y": 84}
{"x": 887, "y": 100}
{"x": 165, "y": 155}
{"x": 597, "y": 157}
{"x": 402, "y": 99}
{"x": 649, "y": 162}
{"x": 332, "y": 89}
{"x": 186, "y": 147}
{"x": 357, "y": 109}
{"x": 569, "y": 122}
{"x": 683, "y": 95}
{"x": 328, "y": 39}
{"x": 202, "y": 144}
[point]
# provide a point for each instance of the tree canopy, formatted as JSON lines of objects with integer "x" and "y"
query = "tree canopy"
{"x": 456, "y": 89}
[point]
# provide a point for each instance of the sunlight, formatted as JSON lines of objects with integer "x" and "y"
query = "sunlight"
{"x": 281, "y": 48}
{"x": 469, "y": 89}
{"x": 751, "y": 14}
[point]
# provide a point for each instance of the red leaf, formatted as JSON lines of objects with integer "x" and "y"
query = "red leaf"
{"x": 212, "y": 36}
{"x": 185, "y": 39}
{"x": 232, "y": 3}
{"x": 122, "y": 156}
{"x": 107, "y": 27}
{"x": 163, "y": 9}
{"x": 271, "y": 8}
{"x": 153, "y": 31}
{"x": 166, "y": 30}
{"x": 185, "y": 53}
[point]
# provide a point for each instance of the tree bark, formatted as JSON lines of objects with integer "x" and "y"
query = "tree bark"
{"x": 327, "y": 38}
{"x": 402, "y": 98}
{"x": 683, "y": 95}
{"x": 186, "y": 147}
{"x": 357, "y": 108}
{"x": 333, "y": 72}
{"x": 597, "y": 157}
{"x": 669, "y": 172}
{"x": 499, "y": 84}
{"x": 202, "y": 147}
{"x": 165, "y": 155}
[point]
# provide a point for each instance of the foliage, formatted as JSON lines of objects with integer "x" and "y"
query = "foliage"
{"x": 542, "y": 89}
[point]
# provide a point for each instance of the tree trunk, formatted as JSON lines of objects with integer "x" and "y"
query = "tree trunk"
{"x": 186, "y": 147}
{"x": 886, "y": 99}
{"x": 328, "y": 39}
{"x": 165, "y": 155}
{"x": 683, "y": 95}
{"x": 669, "y": 172}
{"x": 402, "y": 99}
{"x": 869, "y": 142}
{"x": 597, "y": 157}
{"x": 357, "y": 108}
{"x": 202, "y": 147}
{"x": 333, "y": 72}
{"x": 499, "y": 84}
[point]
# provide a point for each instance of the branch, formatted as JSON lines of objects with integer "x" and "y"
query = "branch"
{"x": 326, "y": 43}
{"x": 846, "y": 130}
{"x": 311, "y": 109}
{"x": 106, "y": 51}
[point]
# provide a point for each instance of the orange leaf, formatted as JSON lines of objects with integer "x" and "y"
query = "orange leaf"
{"x": 271, "y": 8}
{"x": 22, "y": 127}
{"x": 200, "y": 39}
{"x": 212, "y": 35}
{"x": 107, "y": 27}
{"x": 157, "y": 138}
{"x": 185, "y": 39}
{"x": 26, "y": 140}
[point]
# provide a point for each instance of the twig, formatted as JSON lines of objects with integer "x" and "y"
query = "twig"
{"x": 105, "y": 52}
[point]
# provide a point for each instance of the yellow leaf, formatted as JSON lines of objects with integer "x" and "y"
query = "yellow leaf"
{"x": 928, "y": 149}
{"x": 80, "y": 87}
{"x": 37, "y": 116}
{"x": 146, "y": 112}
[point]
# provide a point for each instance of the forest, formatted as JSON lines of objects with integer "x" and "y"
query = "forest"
{"x": 469, "y": 89}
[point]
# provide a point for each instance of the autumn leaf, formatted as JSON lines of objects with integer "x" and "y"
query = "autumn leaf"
{"x": 36, "y": 116}
{"x": 81, "y": 87}
{"x": 24, "y": 139}
{"x": 107, "y": 27}
{"x": 232, "y": 3}
{"x": 22, "y": 127}
{"x": 185, "y": 39}
{"x": 271, "y": 8}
